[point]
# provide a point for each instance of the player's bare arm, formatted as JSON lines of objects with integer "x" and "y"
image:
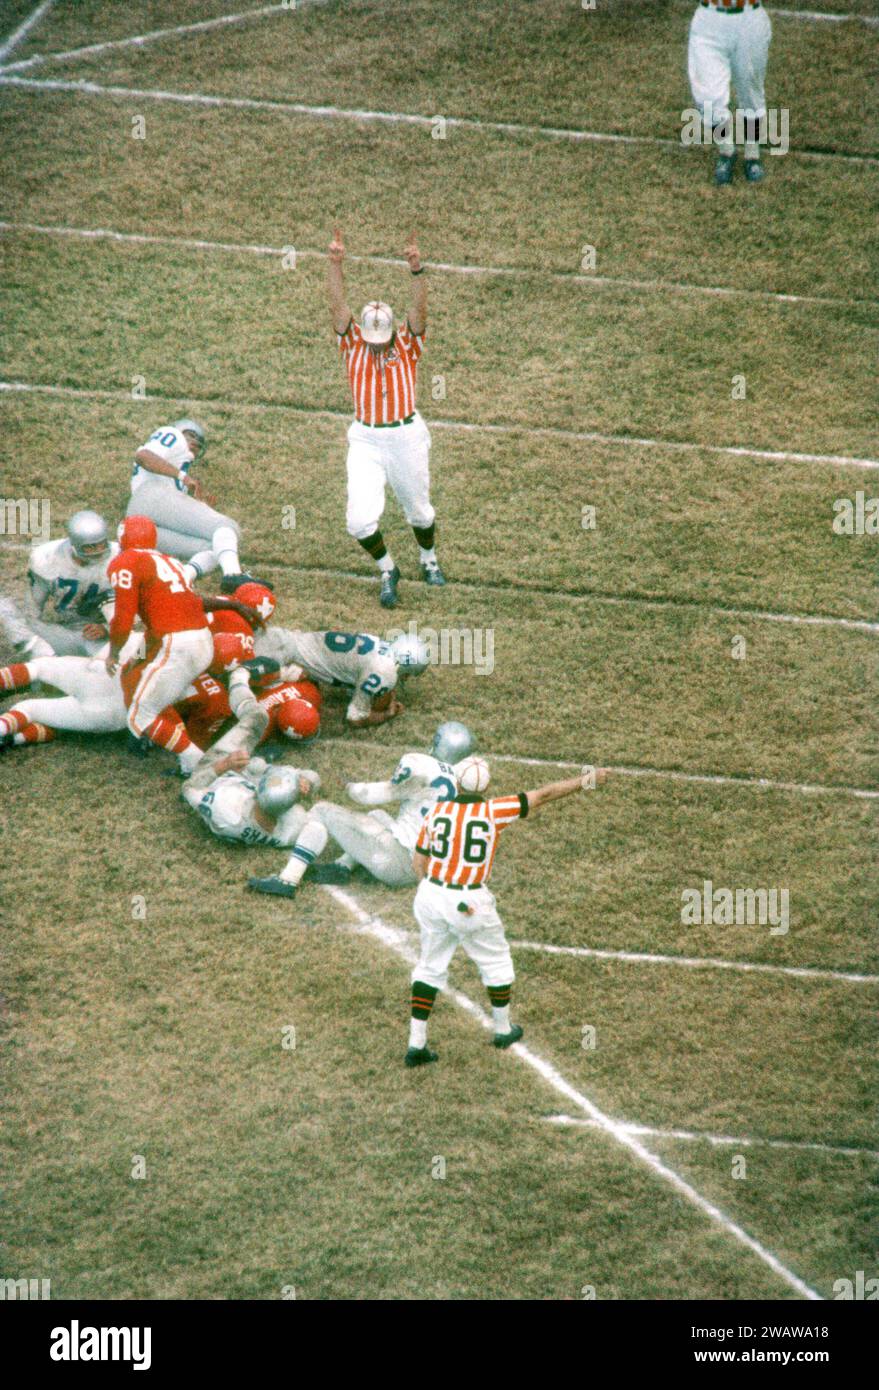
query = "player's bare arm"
{"x": 153, "y": 464}
{"x": 339, "y": 310}
{"x": 418, "y": 312}
{"x": 553, "y": 791}
{"x": 385, "y": 707}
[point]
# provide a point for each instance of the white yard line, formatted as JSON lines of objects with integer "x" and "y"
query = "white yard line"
{"x": 530, "y": 431}
{"x": 24, "y": 28}
{"x": 397, "y": 942}
{"x": 817, "y": 16}
{"x": 139, "y": 40}
{"x": 720, "y": 1140}
{"x": 566, "y": 596}
{"x": 516, "y": 272}
{"x": 344, "y": 113}
{"x": 702, "y": 778}
{"x": 698, "y": 962}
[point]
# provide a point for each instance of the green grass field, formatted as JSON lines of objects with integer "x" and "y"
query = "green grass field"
{"x": 160, "y": 1035}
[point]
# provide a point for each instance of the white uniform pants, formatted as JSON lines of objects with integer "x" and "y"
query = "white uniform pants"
{"x": 724, "y": 49}
{"x": 182, "y": 656}
{"x": 185, "y": 525}
{"x": 467, "y": 918}
{"x": 397, "y": 456}
{"x": 92, "y": 702}
{"x": 368, "y": 837}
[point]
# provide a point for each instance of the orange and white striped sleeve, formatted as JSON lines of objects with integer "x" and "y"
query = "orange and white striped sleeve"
{"x": 411, "y": 343}
{"x": 349, "y": 339}
{"x": 503, "y": 810}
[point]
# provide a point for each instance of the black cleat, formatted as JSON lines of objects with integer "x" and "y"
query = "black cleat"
{"x": 753, "y": 170}
{"x": 233, "y": 581}
{"x": 388, "y": 593}
{"x": 419, "y": 1057}
{"x": 723, "y": 169}
{"x": 138, "y": 747}
{"x": 507, "y": 1039}
{"x": 274, "y": 885}
{"x": 433, "y": 574}
{"x": 327, "y": 873}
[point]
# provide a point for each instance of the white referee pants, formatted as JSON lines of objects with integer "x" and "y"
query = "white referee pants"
{"x": 377, "y": 457}
{"x": 469, "y": 919}
{"x": 725, "y": 49}
{"x": 182, "y": 656}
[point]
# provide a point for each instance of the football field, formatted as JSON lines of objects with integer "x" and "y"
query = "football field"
{"x": 650, "y": 400}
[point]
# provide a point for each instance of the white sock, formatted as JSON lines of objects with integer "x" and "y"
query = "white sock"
{"x": 309, "y": 843}
{"x": 418, "y": 1032}
{"x": 205, "y": 562}
{"x": 224, "y": 543}
{"x": 428, "y": 557}
{"x": 386, "y": 563}
{"x": 752, "y": 149}
{"x": 501, "y": 1018}
{"x": 190, "y": 758}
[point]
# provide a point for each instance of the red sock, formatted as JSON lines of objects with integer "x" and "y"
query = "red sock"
{"x": 13, "y": 722}
{"x": 14, "y": 677}
{"x": 169, "y": 731}
{"x": 35, "y": 733}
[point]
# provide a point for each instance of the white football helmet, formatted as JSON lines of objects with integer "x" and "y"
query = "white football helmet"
{"x": 193, "y": 427}
{"x": 87, "y": 532}
{"x": 412, "y": 654}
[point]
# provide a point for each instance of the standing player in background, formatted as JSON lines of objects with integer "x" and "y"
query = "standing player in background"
{"x": 729, "y": 43}
{"x": 69, "y": 599}
{"x": 388, "y": 442}
{"x": 188, "y": 527}
{"x": 179, "y": 642}
{"x": 453, "y": 905}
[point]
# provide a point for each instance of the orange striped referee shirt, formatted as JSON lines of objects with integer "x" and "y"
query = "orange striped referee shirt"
{"x": 382, "y": 383}
{"x": 460, "y": 837}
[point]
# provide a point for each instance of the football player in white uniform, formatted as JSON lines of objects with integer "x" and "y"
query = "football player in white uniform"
{"x": 358, "y": 660}
{"x": 243, "y": 798}
{"x": 380, "y": 843}
{"x": 188, "y": 526}
{"x": 69, "y": 601}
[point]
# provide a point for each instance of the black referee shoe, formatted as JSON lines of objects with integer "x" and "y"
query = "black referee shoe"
{"x": 507, "y": 1039}
{"x": 388, "y": 593}
{"x": 433, "y": 574}
{"x": 419, "y": 1057}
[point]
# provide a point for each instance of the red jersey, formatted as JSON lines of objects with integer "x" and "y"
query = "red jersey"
{"x": 206, "y": 708}
{"x": 382, "y": 383}
{"x": 460, "y": 837}
{"x": 155, "y": 587}
{"x": 227, "y": 620}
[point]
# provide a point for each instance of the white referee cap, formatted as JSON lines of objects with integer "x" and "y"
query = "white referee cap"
{"x": 377, "y": 322}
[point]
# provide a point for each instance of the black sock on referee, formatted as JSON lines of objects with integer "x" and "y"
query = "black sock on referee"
{"x": 422, "y": 1002}
{"x": 499, "y": 997}
{"x": 374, "y": 545}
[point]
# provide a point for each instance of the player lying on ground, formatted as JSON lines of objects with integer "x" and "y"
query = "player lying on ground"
{"x": 69, "y": 601}
{"x": 188, "y": 526}
{"x": 373, "y": 839}
{"x": 358, "y": 660}
{"x": 453, "y": 904}
{"x": 388, "y": 441}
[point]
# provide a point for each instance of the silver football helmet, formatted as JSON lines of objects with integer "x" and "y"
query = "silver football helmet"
{"x": 192, "y": 427}
{"x": 277, "y": 790}
{"x": 412, "y": 654}
{"x": 88, "y": 535}
{"x": 452, "y": 742}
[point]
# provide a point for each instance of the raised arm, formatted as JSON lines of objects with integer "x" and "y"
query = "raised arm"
{"x": 553, "y": 791}
{"x": 418, "y": 312}
{"x": 339, "y": 310}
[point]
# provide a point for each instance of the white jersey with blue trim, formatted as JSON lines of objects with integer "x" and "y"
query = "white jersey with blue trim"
{"x": 421, "y": 780}
{"x": 171, "y": 445}
{"x": 228, "y": 806}
{"x": 65, "y": 592}
{"x": 357, "y": 659}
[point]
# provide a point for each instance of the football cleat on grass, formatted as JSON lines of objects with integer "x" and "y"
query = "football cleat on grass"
{"x": 328, "y": 873}
{"x": 433, "y": 574}
{"x": 138, "y": 747}
{"x": 420, "y": 1057}
{"x": 507, "y": 1039}
{"x": 231, "y": 582}
{"x": 754, "y": 170}
{"x": 723, "y": 169}
{"x": 275, "y": 885}
{"x": 388, "y": 592}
